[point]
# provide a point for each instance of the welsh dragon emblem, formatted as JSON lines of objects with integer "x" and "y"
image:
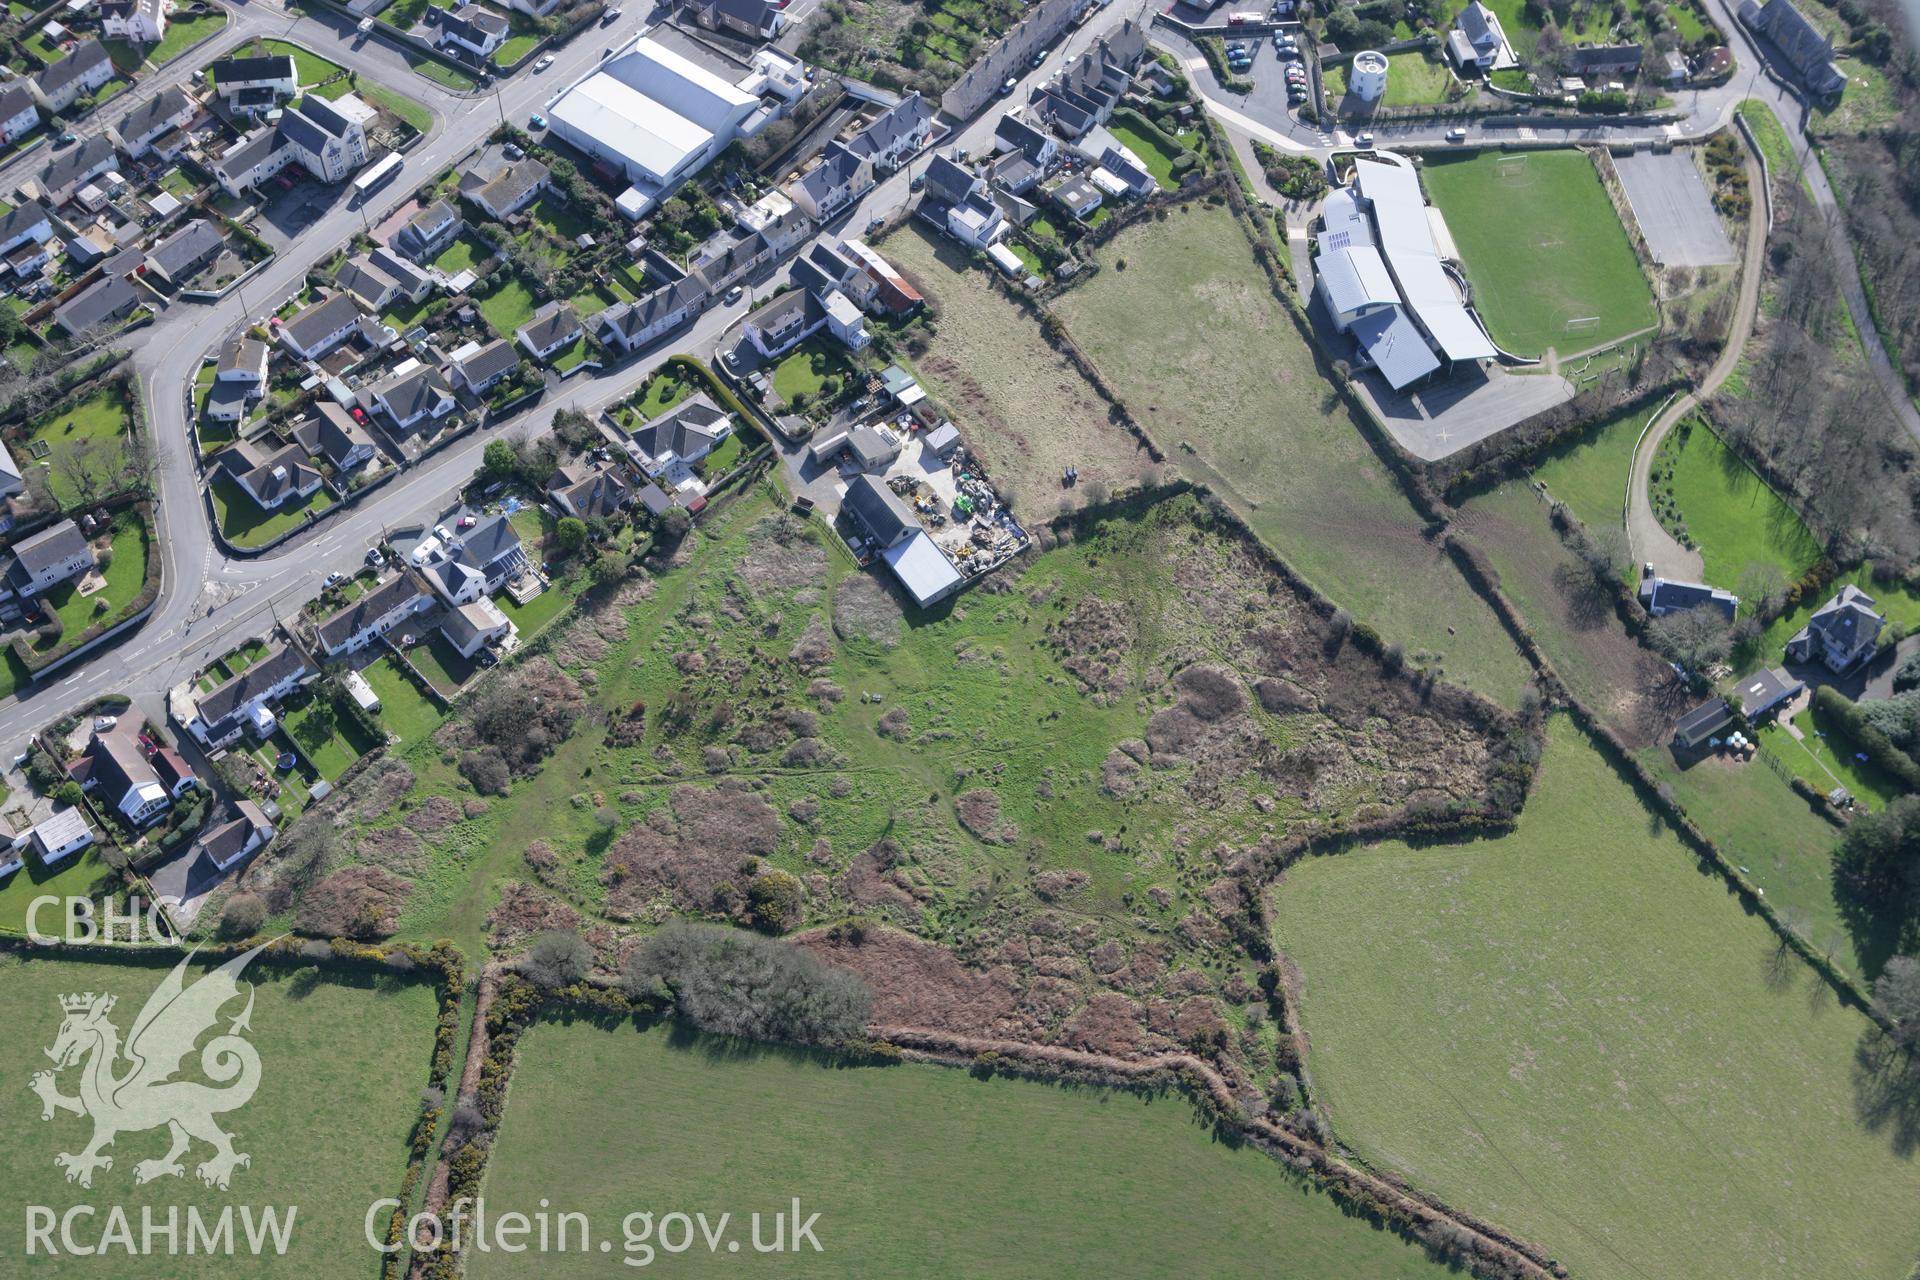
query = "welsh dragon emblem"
{"x": 132, "y": 1088}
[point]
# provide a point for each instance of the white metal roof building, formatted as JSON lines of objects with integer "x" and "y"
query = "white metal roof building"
{"x": 654, "y": 114}
{"x": 1396, "y": 348}
{"x": 923, "y": 569}
{"x": 1392, "y": 190}
{"x": 1354, "y": 282}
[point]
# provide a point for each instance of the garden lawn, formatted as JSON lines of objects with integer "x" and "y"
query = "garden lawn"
{"x": 466, "y": 251}
{"x": 98, "y": 426}
{"x": 245, "y": 524}
{"x": 1414, "y": 79}
{"x": 125, "y": 576}
{"x": 1193, "y": 340}
{"x": 1153, "y": 150}
{"x": 85, "y": 875}
{"x": 1574, "y": 1031}
{"x": 804, "y": 372}
{"x": 532, "y": 617}
{"x": 404, "y": 710}
{"x": 1825, "y": 755}
{"x": 325, "y": 739}
{"x": 183, "y": 33}
{"x": 341, "y": 1070}
{"x": 1732, "y": 514}
{"x": 516, "y": 48}
{"x": 574, "y": 356}
{"x": 1549, "y": 262}
{"x": 440, "y": 73}
{"x": 308, "y": 65}
{"x": 507, "y": 306}
{"x": 904, "y": 1165}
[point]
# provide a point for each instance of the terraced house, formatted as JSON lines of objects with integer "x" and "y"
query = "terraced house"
{"x": 245, "y": 704}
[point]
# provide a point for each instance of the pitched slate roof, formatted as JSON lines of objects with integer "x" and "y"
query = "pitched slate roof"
{"x": 506, "y": 188}
{"x": 879, "y": 510}
{"x": 85, "y": 56}
{"x": 340, "y": 433}
{"x": 186, "y": 248}
{"x": 53, "y": 545}
{"x": 270, "y": 476}
{"x": 486, "y": 542}
{"x": 495, "y": 358}
{"x": 1705, "y": 720}
{"x": 838, "y": 170}
{"x": 689, "y": 428}
{"x": 1667, "y": 595}
{"x": 1847, "y": 618}
{"x": 100, "y": 301}
{"x": 412, "y": 393}
{"x": 221, "y": 701}
{"x": 349, "y": 622}
{"x": 629, "y": 318}
{"x": 550, "y": 324}
{"x": 600, "y": 493}
{"x": 155, "y": 115}
{"x": 311, "y": 324}
{"x": 247, "y": 70}
{"x": 242, "y": 353}
{"x": 904, "y": 119}
{"x": 71, "y": 165}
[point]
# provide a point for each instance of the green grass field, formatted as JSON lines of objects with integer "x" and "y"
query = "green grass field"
{"x": 328, "y": 741}
{"x": 1824, "y": 755}
{"x": 914, "y": 1170}
{"x": 94, "y": 431}
{"x": 1549, "y": 262}
{"x": 1578, "y": 1033}
{"x": 1730, "y": 511}
{"x": 1210, "y": 363}
{"x": 341, "y": 1072}
{"x": 183, "y": 33}
{"x": 1590, "y": 475}
{"x": 1152, "y": 148}
{"x": 1767, "y": 131}
{"x": 506, "y": 306}
{"x": 125, "y": 575}
{"x": 466, "y": 251}
{"x": 1895, "y": 603}
{"x": 805, "y": 371}
{"x": 85, "y": 875}
{"x": 1413, "y": 79}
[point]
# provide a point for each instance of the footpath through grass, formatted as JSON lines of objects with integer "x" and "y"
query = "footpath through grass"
{"x": 914, "y": 1170}
{"x": 1549, "y": 261}
{"x": 1196, "y": 344}
{"x": 1575, "y": 1032}
{"x": 341, "y": 1069}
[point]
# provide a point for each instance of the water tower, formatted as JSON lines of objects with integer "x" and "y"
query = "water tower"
{"x": 1369, "y": 78}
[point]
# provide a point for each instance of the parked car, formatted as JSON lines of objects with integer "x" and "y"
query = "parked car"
{"x": 735, "y": 294}
{"x": 1364, "y": 140}
{"x": 610, "y": 17}
{"x": 467, "y": 522}
{"x": 335, "y": 578}
{"x": 1456, "y": 135}
{"x": 66, "y": 139}
{"x": 440, "y": 532}
{"x": 103, "y": 723}
{"x": 1040, "y": 59}
{"x": 374, "y": 558}
{"x": 537, "y": 121}
{"x": 546, "y": 60}
{"x": 1006, "y": 90}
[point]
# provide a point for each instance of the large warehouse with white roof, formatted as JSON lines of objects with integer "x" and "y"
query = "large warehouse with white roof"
{"x": 658, "y": 115}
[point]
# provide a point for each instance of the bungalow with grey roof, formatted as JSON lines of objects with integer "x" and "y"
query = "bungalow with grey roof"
{"x": 597, "y": 492}
{"x": 667, "y": 446}
{"x": 115, "y": 767}
{"x": 51, "y": 841}
{"x": 228, "y": 842}
{"x": 502, "y": 187}
{"x": 480, "y": 370}
{"x": 273, "y": 479}
{"x": 182, "y": 255}
{"x": 478, "y": 31}
{"x": 103, "y": 302}
{"x": 57, "y": 554}
{"x": 319, "y": 328}
{"x": 254, "y": 83}
{"x": 427, "y": 233}
{"x": 554, "y": 326}
{"x": 336, "y": 435}
{"x": 1661, "y": 596}
{"x": 412, "y": 397}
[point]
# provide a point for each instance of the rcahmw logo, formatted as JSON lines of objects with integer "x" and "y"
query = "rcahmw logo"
{"x": 131, "y": 1088}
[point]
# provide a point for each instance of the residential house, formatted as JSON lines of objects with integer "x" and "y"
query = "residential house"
{"x": 1015, "y": 134}
{"x": 1125, "y": 166}
{"x": 1661, "y": 596}
{"x": 1807, "y": 48}
{"x": 12, "y": 483}
{"x": 382, "y": 279}
{"x": 590, "y": 493}
{"x": 336, "y": 435}
{"x": 666, "y": 447}
{"x": 29, "y": 222}
{"x": 175, "y": 774}
{"x": 53, "y": 841}
{"x": 1703, "y": 724}
{"x": 1673, "y": 66}
{"x": 1012, "y": 173}
{"x": 554, "y": 327}
{"x": 958, "y": 201}
{"x": 84, "y": 70}
{"x": 834, "y": 185}
{"x": 892, "y": 292}
{"x": 727, "y": 257}
{"x": 185, "y": 253}
{"x": 164, "y": 112}
{"x": 239, "y": 379}
{"x": 879, "y": 512}
{"x": 790, "y": 318}
{"x": 429, "y": 232}
{"x": 629, "y": 326}
{"x": 828, "y": 266}
{"x": 753, "y": 19}
{"x": 776, "y": 217}
{"x": 1076, "y": 197}
{"x": 135, "y": 21}
{"x": 1478, "y": 41}
{"x": 373, "y": 615}
{"x": 27, "y": 261}
{"x": 1589, "y": 61}
{"x": 272, "y": 478}
{"x": 230, "y": 841}
{"x": 896, "y": 135}
{"x": 320, "y": 327}
{"x": 246, "y": 703}
{"x": 254, "y": 84}
{"x": 105, "y": 301}
{"x": 117, "y": 771}
{"x": 474, "y": 625}
{"x": 1841, "y": 634}
{"x": 482, "y": 368}
{"x": 59, "y": 553}
{"x": 1084, "y": 92}
{"x": 412, "y": 396}
{"x": 478, "y": 562}
{"x": 477, "y": 31}
{"x": 502, "y": 187}
{"x": 18, "y": 114}
{"x": 69, "y": 170}
{"x": 327, "y": 139}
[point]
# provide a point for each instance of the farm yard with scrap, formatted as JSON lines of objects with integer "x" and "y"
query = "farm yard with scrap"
{"x": 1271, "y": 642}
